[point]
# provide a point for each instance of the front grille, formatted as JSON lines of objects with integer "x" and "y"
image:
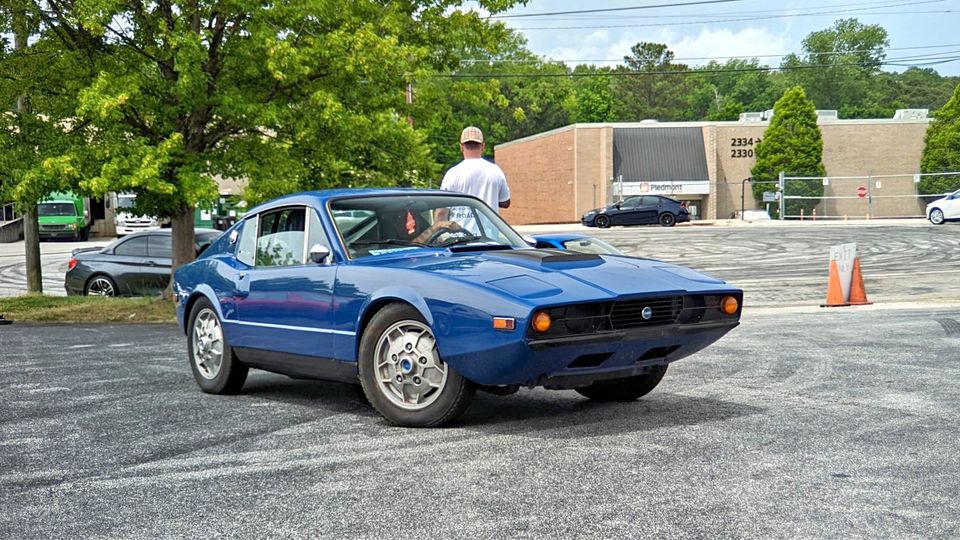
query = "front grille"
{"x": 629, "y": 313}
{"x": 53, "y": 228}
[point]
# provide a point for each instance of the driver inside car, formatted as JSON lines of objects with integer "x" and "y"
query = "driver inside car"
{"x": 409, "y": 226}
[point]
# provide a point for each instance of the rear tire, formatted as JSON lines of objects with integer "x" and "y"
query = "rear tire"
{"x": 214, "y": 366}
{"x": 936, "y": 216}
{"x": 402, "y": 373}
{"x": 628, "y": 389}
{"x": 601, "y": 221}
{"x": 100, "y": 285}
{"x": 667, "y": 219}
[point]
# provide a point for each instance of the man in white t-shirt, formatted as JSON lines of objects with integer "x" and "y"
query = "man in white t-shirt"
{"x": 475, "y": 176}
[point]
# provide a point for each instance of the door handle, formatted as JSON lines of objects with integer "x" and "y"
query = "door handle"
{"x": 241, "y": 275}
{"x": 149, "y": 263}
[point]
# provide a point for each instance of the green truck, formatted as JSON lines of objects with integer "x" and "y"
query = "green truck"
{"x": 64, "y": 215}
{"x": 222, "y": 215}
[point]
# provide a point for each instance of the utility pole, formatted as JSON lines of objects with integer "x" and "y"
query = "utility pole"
{"x": 31, "y": 229}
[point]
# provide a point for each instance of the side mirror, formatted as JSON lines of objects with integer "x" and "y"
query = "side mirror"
{"x": 530, "y": 240}
{"x": 617, "y": 206}
{"x": 319, "y": 254}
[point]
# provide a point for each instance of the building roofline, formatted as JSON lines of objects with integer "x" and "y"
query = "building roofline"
{"x": 701, "y": 124}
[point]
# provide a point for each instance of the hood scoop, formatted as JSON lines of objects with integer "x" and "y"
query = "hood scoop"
{"x": 549, "y": 258}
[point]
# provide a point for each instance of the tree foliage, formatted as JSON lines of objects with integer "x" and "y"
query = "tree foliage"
{"x": 941, "y": 150}
{"x": 792, "y": 144}
{"x": 649, "y": 85}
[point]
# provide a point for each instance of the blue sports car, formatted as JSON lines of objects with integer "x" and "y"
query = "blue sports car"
{"x": 425, "y": 297}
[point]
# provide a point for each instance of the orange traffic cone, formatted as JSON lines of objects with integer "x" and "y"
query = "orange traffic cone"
{"x": 858, "y": 295}
{"x": 834, "y": 290}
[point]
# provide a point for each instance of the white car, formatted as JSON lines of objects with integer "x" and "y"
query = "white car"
{"x": 945, "y": 209}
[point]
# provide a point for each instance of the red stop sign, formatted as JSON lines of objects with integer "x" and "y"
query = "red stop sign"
{"x": 861, "y": 191}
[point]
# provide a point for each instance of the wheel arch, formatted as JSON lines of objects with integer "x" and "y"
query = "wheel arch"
{"x": 200, "y": 292}
{"x": 378, "y": 302}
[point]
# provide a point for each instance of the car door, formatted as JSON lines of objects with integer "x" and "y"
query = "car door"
{"x": 126, "y": 265}
{"x": 951, "y": 207}
{"x": 286, "y": 301}
{"x": 648, "y": 210}
{"x": 156, "y": 266}
{"x": 624, "y": 215}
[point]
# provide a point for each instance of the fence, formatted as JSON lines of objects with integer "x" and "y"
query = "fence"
{"x": 867, "y": 196}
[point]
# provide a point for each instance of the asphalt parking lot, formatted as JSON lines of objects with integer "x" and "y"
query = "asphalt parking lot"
{"x": 802, "y": 422}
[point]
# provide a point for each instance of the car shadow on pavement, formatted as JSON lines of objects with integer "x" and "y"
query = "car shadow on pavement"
{"x": 566, "y": 415}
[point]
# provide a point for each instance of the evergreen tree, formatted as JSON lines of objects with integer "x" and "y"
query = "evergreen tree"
{"x": 941, "y": 151}
{"x": 792, "y": 144}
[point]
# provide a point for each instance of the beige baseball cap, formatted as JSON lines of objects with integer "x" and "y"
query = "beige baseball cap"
{"x": 471, "y": 134}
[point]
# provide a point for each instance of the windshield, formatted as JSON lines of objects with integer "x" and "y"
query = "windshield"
{"x": 126, "y": 202}
{"x": 373, "y": 226}
{"x": 591, "y": 245}
{"x": 56, "y": 209}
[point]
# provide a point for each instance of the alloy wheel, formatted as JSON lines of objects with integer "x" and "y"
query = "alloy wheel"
{"x": 207, "y": 344}
{"x": 936, "y": 216}
{"x": 101, "y": 286}
{"x": 409, "y": 370}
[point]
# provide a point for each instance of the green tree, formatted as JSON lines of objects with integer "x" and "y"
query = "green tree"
{"x": 838, "y": 64}
{"x": 592, "y": 98}
{"x": 650, "y": 84}
{"x": 39, "y": 126}
{"x": 941, "y": 150}
{"x": 287, "y": 96}
{"x": 792, "y": 144}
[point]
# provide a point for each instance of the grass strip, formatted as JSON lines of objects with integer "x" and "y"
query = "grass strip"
{"x": 87, "y": 309}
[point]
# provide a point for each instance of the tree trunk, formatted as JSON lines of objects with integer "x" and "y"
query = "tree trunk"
{"x": 31, "y": 229}
{"x": 31, "y": 246}
{"x": 184, "y": 249}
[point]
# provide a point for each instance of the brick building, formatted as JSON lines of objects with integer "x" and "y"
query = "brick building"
{"x": 558, "y": 175}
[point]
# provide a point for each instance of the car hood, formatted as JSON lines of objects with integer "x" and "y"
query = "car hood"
{"x": 937, "y": 201}
{"x": 548, "y": 276}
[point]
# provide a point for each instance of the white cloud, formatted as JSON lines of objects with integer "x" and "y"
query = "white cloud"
{"x": 746, "y": 43}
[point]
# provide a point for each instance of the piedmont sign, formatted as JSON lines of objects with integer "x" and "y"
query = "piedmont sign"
{"x": 686, "y": 187}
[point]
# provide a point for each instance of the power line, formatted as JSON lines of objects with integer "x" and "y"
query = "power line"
{"x": 860, "y": 6}
{"x": 741, "y": 19}
{"x": 583, "y": 61}
{"x": 608, "y": 10}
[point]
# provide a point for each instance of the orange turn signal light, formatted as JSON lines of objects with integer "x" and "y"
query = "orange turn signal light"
{"x": 729, "y": 305}
{"x": 541, "y": 321}
{"x": 504, "y": 323}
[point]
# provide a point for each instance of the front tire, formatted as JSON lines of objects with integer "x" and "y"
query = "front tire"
{"x": 667, "y": 219}
{"x": 601, "y": 221}
{"x": 627, "y": 389}
{"x": 402, "y": 373}
{"x": 214, "y": 366}
{"x": 936, "y": 216}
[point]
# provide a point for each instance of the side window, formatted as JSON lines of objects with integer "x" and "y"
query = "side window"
{"x": 651, "y": 201}
{"x": 160, "y": 246}
{"x": 132, "y": 247}
{"x": 316, "y": 232}
{"x": 246, "y": 245}
{"x": 281, "y": 237}
{"x": 632, "y": 202}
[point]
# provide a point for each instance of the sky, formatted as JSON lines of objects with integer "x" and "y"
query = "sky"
{"x": 920, "y": 31}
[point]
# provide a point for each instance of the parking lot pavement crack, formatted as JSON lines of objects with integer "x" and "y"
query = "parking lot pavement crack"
{"x": 950, "y": 326}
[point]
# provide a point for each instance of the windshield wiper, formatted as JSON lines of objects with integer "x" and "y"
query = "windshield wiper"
{"x": 388, "y": 241}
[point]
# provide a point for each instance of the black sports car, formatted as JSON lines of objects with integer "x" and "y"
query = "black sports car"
{"x": 136, "y": 265}
{"x": 638, "y": 210}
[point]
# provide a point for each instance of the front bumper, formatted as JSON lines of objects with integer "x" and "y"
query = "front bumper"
{"x": 574, "y": 361}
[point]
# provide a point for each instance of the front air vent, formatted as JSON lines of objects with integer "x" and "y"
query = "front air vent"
{"x": 590, "y": 360}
